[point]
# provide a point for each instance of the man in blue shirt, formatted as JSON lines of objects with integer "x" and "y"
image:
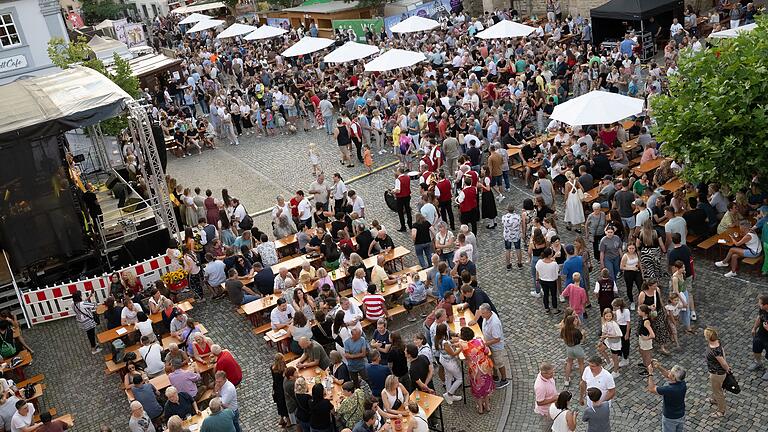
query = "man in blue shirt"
{"x": 377, "y": 373}
{"x": 627, "y": 45}
{"x": 673, "y": 414}
{"x": 572, "y": 265}
{"x": 356, "y": 352}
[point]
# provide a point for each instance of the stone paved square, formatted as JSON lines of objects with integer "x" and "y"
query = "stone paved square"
{"x": 261, "y": 168}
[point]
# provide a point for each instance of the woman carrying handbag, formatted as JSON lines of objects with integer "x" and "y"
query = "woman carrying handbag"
{"x": 718, "y": 370}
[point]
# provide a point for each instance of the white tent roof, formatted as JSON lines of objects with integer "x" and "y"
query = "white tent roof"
{"x": 414, "y": 24}
{"x": 195, "y": 17}
{"x": 265, "y": 32}
{"x": 350, "y": 51}
{"x": 104, "y": 48}
{"x": 306, "y": 45}
{"x": 205, "y": 25}
{"x": 236, "y": 29}
{"x": 148, "y": 64}
{"x": 732, "y": 33}
{"x": 75, "y": 97}
{"x": 394, "y": 59}
{"x": 597, "y": 107}
{"x": 505, "y": 29}
{"x": 107, "y": 23}
{"x": 198, "y": 8}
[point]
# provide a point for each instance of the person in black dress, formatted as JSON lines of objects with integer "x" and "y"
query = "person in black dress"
{"x": 321, "y": 412}
{"x": 278, "y": 395}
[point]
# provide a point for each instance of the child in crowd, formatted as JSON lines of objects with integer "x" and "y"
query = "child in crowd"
{"x": 314, "y": 159}
{"x": 417, "y": 294}
{"x": 367, "y": 157}
{"x": 674, "y": 305}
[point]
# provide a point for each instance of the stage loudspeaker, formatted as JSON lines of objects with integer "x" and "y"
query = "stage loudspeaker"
{"x": 79, "y": 158}
{"x": 112, "y": 181}
{"x": 157, "y": 133}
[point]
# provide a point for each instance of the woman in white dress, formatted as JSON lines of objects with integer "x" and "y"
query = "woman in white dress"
{"x": 574, "y": 210}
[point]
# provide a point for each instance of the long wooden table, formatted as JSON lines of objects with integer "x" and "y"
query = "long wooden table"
{"x": 294, "y": 263}
{"x": 26, "y": 359}
{"x": 673, "y": 185}
{"x": 727, "y": 238}
{"x": 118, "y": 332}
{"x": 648, "y": 166}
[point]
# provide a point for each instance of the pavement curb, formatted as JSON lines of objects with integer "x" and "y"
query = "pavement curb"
{"x": 351, "y": 180}
{"x": 501, "y": 426}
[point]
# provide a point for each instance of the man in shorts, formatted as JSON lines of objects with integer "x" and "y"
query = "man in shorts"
{"x": 512, "y": 233}
{"x": 493, "y": 334}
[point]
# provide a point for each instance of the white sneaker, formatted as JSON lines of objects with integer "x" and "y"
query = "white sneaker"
{"x": 721, "y": 264}
{"x": 615, "y": 374}
{"x": 567, "y": 383}
{"x": 623, "y": 363}
{"x": 693, "y": 316}
{"x": 457, "y": 398}
{"x": 730, "y": 274}
{"x": 632, "y": 305}
{"x": 447, "y": 398}
{"x": 533, "y": 294}
{"x": 96, "y": 350}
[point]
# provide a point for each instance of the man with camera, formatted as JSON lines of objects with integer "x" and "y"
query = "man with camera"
{"x": 673, "y": 414}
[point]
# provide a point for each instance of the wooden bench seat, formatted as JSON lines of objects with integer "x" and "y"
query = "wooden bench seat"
{"x": 30, "y": 381}
{"x": 393, "y": 312}
{"x": 36, "y": 417}
{"x": 262, "y": 329}
{"x": 753, "y": 261}
{"x": 691, "y": 239}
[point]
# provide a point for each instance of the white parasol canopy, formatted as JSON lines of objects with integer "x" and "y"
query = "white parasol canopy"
{"x": 505, "y": 29}
{"x": 597, "y": 107}
{"x": 198, "y": 8}
{"x": 235, "y": 29}
{"x": 195, "y": 17}
{"x": 265, "y": 32}
{"x": 394, "y": 59}
{"x": 205, "y": 25}
{"x": 306, "y": 45}
{"x": 732, "y": 33}
{"x": 414, "y": 24}
{"x": 350, "y": 51}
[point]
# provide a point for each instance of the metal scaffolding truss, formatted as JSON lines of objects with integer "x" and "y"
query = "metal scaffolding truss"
{"x": 159, "y": 197}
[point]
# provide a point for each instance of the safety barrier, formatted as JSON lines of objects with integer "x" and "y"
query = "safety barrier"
{"x": 52, "y": 303}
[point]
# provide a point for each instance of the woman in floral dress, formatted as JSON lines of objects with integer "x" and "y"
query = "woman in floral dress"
{"x": 480, "y": 367}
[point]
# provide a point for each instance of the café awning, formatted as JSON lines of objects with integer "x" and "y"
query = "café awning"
{"x": 205, "y": 25}
{"x": 198, "y": 7}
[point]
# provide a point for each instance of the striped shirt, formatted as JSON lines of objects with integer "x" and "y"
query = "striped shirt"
{"x": 374, "y": 306}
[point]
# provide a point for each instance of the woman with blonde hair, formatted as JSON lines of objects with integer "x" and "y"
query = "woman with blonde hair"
{"x": 718, "y": 368}
{"x": 175, "y": 424}
{"x": 394, "y": 395}
{"x": 301, "y": 390}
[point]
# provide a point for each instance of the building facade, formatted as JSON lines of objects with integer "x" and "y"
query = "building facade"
{"x": 26, "y": 26}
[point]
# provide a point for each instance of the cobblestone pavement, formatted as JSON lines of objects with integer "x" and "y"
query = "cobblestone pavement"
{"x": 77, "y": 382}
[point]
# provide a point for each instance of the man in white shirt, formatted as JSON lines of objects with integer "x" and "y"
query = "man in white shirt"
{"x": 358, "y": 205}
{"x": 596, "y": 376}
{"x": 304, "y": 208}
{"x": 493, "y": 334}
{"x": 282, "y": 315}
{"x": 225, "y": 390}
{"x": 320, "y": 190}
{"x": 675, "y": 27}
{"x": 280, "y": 208}
{"x": 128, "y": 315}
{"x": 352, "y": 313}
{"x": 239, "y": 212}
{"x": 22, "y": 420}
{"x": 150, "y": 352}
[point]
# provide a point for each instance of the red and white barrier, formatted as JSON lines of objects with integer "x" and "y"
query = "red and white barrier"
{"x": 49, "y": 303}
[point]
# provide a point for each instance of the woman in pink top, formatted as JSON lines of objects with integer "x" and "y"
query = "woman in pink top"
{"x": 649, "y": 154}
{"x": 576, "y": 295}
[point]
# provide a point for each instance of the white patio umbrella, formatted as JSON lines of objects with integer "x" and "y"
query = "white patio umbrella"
{"x": 265, "y": 32}
{"x": 394, "y": 59}
{"x": 235, "y": 29}
{"x": 505, "y": 29}
{"x": 597, "y": 107}
{"x": 414, "y": 24}
{"x": 350, "y": 51}
{"x": 306, "y": 45}
{"x": 195, "y": 17}
{"x": 205, "y": 25}
{"x": 732, "y": 33}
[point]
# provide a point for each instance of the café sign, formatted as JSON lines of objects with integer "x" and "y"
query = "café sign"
{"x": 8, "y": 64}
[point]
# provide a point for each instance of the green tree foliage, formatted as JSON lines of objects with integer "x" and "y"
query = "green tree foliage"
{"x": 95, "y": 11}
{"x": 714, "y": 118}
{"x": 63, "y": 54}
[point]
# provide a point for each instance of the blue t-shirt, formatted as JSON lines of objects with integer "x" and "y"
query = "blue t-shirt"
{"x": 377, "y": 374}
{"x": 570, "y": 266}
{"x": 446, "y": 284}
{"x": 145, "y": 394}
{"x": 626, "y": 47}
{"x": 598, "y": 418}
{"x": 355, "y": 347}
{"x": 674, "y": 399}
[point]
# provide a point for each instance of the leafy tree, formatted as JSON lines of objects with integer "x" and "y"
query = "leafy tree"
{"x": 63, "y": 54}
{"x": 95, "y": 11}
{"x": 714, "y": 118}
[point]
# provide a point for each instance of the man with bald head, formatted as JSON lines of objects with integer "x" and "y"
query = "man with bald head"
{"x": 220, "y": 420}
{"x": 139, "y": 421}
{"x": 314, "y": 355}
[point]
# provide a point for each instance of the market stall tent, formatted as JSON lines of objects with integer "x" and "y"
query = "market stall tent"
{"x": 608, "y": 19}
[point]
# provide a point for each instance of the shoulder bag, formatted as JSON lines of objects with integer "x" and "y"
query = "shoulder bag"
{"x": 729, "y": 383}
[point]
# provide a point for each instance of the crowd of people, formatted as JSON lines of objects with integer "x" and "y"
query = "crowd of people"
{"x": 451, "y": 122}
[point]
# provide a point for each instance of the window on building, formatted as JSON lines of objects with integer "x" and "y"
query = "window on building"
{"x": 154, "y": 10}
{"x": 144, "y": 9}
{"x": 9, "y": 35}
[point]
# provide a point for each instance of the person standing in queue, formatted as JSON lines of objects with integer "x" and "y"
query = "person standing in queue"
{"x": 402, "y": 191}
{"x": 467, "y": 200}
